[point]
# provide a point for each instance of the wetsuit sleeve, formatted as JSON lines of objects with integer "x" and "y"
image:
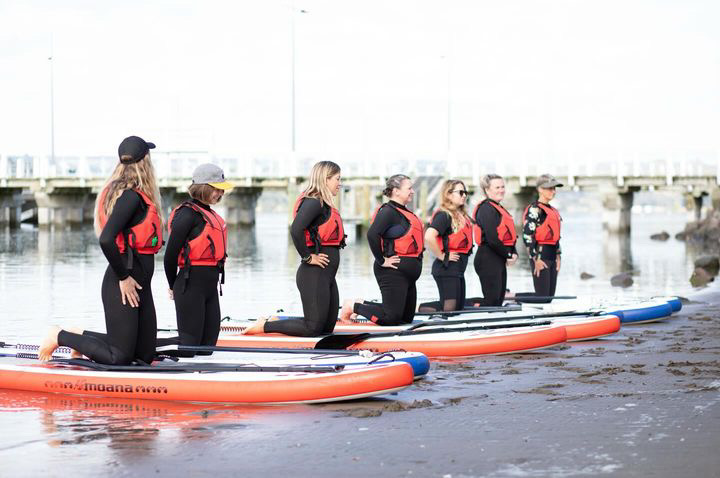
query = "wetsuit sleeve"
{"x": 184, "y": 221}
{"x": 489, "y": 219}
{"x": 120, "y": 219}
{"x": 530, "y": 225}
{"x": 442, "y": 223}
{"x": 309, "y": 211}
{"x": 385, "y": 218}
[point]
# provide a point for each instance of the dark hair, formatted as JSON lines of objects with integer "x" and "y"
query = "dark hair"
{"x": 394, "y": 182}
{"x": 201, "y": 192}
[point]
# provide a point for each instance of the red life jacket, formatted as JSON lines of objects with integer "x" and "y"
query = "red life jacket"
{"x": 329, "y": 233}
{"x": 144, "y": 238}
{"x": 209, "y": 247}
{"x": 411, "y": 244}
{"x": 505, "y": 230}
{"x": 460, "y": 241}
{"x": 547, "y": 233}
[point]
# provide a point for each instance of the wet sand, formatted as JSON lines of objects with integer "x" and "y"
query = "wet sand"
{"x": 643, "y": 402}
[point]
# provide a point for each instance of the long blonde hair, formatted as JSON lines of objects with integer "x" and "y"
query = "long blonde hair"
{"x": 319, "y": 174}
{"x": 140, "y": 176}
{"x": 457, "y": 214}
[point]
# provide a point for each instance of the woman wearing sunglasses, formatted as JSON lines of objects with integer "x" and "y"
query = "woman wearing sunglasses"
{"x": 449, "y": 238}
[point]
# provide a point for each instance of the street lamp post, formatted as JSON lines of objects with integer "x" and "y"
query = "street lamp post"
{"x": 292, "y": 91}
{"x": 52, "y": 109}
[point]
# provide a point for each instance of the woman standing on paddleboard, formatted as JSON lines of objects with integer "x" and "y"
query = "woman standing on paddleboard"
{"x": 395, "y": 238}
{"x": 197, "y": 245}
{"x": 318, "y": 235}
{"x": 128, "y": 221}
{"x": 541, "y": 235}
{"x": 449, "y": 238}
{"x": 494, "y": 233}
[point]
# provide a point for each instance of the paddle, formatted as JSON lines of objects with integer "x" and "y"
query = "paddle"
{"x": 532, "y": 299}
{"x": 315, "y": 351}
{"x": 196, "y": 367}
{"x": 345, "y": 340}
{"x": 512, "y": 319}
{"x": 466, "y": 310}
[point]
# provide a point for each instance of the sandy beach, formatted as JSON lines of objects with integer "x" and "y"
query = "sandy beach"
{"x": 644, "y": 402}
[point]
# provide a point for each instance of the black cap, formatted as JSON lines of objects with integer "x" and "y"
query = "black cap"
{"x": 134, "y": 146}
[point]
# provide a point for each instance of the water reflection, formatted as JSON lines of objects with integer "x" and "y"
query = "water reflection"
{"x": 129, "y": 427}
{"x": 617, "y": 252}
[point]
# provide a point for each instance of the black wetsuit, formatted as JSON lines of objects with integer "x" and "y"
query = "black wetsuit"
{"x": 397, "y": 286}
{"x": 449, "y": 275}
{"x": 491, "y": 256}
{"x": 546, "y": 283}
{"x": 317, "y": 286}
{"x": 195, "y": 288}
{"x": 131, "y": 331}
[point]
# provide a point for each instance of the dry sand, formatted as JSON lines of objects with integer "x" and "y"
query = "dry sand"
{"x": 644, "y": 402}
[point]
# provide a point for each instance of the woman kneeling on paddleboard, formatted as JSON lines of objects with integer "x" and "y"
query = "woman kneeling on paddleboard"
{"x": 197, "y": 244}
{"x": 318, "y": 235}
{"x": 395, "y": 238}
{"x": 449, "y": 238}
{"x": 541, "y": 235}
{"x": 494, "y": 233}
{"x": 128, "y": 221}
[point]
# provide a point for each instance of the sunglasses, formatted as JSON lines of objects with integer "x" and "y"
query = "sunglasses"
{"x": 461, "y": 192}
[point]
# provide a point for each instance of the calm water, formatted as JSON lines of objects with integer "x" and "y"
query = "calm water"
{"x": 53, "y": 277}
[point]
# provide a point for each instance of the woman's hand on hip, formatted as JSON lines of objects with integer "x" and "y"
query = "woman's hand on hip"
{"x": 391, "y": 262}
{"x": 453, "y": 256}
{"x": 320, "y": 260}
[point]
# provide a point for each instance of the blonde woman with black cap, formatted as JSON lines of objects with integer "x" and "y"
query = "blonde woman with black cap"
{"x": 396, "y": 240}
{"x": 541, "y": 235}
{"x": 494, "y": 233}
{"x": 197, "y": 246}
{"x": 128, "y": 221}
{"x": 318, "y": 235}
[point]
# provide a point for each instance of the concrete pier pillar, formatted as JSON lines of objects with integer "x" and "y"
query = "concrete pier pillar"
{"x": 364, "y": 204}
{"x": 10, "y": 206}
{"x": 293, "y": 191}
{"x": 715, "y": 198}
{"x": 617, "y": 211}
{"x": 517, "y": 201}
{"x": 697, "y": 206}
{"x": 171, "y": 198}
{"x": 61, "y": 206}
{"x": 89, "y": 209}
{"x": 240, "y": 205}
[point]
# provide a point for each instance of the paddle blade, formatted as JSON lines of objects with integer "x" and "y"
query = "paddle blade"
{"x": 340, "y": 341}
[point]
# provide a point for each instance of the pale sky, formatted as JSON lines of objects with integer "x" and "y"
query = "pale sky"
{"x": 375, "y": 76}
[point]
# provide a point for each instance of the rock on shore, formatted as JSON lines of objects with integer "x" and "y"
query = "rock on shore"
{"x": 705, "y": 233}
{"x": 662, "y": 236}
{"x": 621, "y": 280}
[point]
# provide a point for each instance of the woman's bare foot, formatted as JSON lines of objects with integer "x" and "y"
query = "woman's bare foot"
{"x": 49, "y": 344}
{"x": 257, "y": 328}
{"x": 346, "y": 311}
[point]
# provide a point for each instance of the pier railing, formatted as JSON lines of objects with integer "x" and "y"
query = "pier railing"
{"x": 569, "y": 166}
